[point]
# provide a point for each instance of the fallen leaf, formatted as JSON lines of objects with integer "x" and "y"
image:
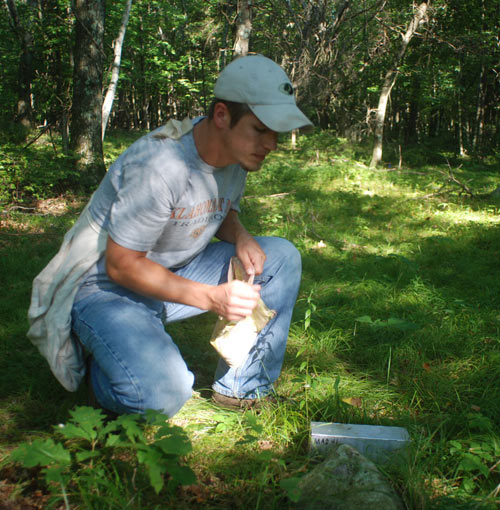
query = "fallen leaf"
{"x": 197, "y": 492}
{"x": 353, "y": 401}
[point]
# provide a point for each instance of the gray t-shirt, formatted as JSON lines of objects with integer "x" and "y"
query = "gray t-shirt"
{"x": 160, "y": 197}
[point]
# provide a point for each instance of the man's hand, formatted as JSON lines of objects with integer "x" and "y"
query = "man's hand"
{"x": 248, "y": 249}
{"x": 234, "y": 300}
{"x": 250, "y": 253}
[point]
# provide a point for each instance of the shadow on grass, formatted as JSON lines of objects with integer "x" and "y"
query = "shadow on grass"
{"x": 382, "y": 260}
{"x": 446, "y": 288}
{"x": 30, "y": 397}
{"x": 448, "y": 298}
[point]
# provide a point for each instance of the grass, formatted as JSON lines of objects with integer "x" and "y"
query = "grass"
{"x": 397, "y": 323}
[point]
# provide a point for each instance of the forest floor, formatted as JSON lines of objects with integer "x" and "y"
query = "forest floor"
{"x": 397, "y": 323}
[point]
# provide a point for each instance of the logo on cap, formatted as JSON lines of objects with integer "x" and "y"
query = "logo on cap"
{"x": 286, "y": 88}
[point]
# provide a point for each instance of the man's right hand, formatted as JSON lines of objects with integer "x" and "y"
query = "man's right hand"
{"x": 234, "y": 300}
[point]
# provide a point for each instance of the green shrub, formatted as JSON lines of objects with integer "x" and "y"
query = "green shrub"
{"x": 92, "y": 462}
{"x": 34, "y": 172}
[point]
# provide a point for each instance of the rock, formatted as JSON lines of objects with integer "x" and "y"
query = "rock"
{"x": 346, "y": 480}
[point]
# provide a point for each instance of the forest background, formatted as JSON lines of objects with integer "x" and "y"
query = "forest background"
{"x": 401, "y": 174}
{"x": 396, "y": 71}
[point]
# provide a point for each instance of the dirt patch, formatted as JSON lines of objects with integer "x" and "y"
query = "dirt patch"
{"x": 11, "y": 498}
{"x": 55, "y": 206}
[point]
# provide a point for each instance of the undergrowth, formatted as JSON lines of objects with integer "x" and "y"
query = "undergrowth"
{"x": 397, "y": 323}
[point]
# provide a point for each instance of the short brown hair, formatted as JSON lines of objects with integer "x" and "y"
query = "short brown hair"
{"x": 236, "y": 110}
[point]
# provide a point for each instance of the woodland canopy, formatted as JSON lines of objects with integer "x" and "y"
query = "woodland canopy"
{"x": 368, "y": 70}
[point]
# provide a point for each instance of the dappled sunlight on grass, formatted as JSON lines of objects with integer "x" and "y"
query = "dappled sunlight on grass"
{"x": 401, "y": 290}
{"x": 465, "y": 216}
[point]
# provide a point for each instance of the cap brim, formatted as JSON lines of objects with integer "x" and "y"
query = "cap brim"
{"x": 281, "y": 117}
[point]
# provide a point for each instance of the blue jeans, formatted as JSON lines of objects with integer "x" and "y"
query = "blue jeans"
{"x": 135, "y": 363}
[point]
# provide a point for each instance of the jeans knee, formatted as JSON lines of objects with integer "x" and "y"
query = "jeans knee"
{"x": 291, "y": 259}
{"x": 163, "y": 393}
{"x": 294, "y": 259}
{"x": 172, "y": 395}
{"x": 282, "y": 249}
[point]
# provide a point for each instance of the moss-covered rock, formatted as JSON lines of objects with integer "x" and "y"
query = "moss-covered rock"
{"x": 346, "y": 480}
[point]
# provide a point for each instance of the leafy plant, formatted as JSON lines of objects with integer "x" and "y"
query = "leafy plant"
{"x": 87, "y": 458}
{"x": 291, "y": 487}
{"x": 34, "y": 172}
{"x": 475, "y": 458}
{"x": 306, "y": 378}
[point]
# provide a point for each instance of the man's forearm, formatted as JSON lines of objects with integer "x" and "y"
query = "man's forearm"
{"x": 133, "y": 270}
{"x": 148, "y": 278}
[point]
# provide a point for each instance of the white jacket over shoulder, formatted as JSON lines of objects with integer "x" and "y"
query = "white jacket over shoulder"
{"x": 54, "y": 289}
{"x": 52, "y": 297}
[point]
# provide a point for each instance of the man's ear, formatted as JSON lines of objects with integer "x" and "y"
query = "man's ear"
{"x": 222, "y": 117}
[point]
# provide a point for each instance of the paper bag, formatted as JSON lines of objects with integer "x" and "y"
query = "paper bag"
{"x": 233, "y": 340}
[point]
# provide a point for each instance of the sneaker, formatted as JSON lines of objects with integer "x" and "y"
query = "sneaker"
{"x": 240, "y": 404}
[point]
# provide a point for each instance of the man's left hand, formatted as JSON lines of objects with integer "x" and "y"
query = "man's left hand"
{"x": 248, "y": 250}
{"x": 250, "y": 253}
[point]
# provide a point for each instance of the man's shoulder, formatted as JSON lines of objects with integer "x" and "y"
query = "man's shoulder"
{"x": 153, "y": 149}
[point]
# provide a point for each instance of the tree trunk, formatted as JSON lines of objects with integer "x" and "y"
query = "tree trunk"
{"x": 26, "y": 39}
{"x": 65, "y": 130}
{"x": 389, "y": 81}
{"x": 460, "y": 129}
{"x": 86, "y": 122}
{"x": 479, "y": 118}
{"x": 411, "y": 131}
{"x": 226, "y": 9}
{"x": 244, "y": 28}
{"x": 115, "y": 72}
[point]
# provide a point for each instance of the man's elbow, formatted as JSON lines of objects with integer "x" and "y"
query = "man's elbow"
{"x": 119, "y": 261}
{"x": 113, "y": 271}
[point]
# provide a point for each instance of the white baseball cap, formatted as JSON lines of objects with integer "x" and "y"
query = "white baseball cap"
{"x": 261, "y": 84}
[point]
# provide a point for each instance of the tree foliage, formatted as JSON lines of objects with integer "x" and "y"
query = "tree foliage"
{"x": 336, "y": 51}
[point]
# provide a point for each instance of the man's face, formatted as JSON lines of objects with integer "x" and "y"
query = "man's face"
{"x": 249, "y": 142}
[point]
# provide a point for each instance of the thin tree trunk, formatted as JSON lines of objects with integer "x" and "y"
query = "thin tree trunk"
{"x": 460, "y": 128}
{"x": 115, "y": 73}
{"x": 390, "y": 80}
{"x": 221, "y": 62}
{"x": 65, "y": 130}
{"x": 479, "y": 120}
{"x": 244, "y": 29}
{"x": 477, "y": 134}
{"x": 24, "y": 110}
{"x": 86, "y": 121}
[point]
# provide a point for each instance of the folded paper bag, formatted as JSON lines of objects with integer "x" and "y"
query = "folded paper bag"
{"x": 233, "y": 340}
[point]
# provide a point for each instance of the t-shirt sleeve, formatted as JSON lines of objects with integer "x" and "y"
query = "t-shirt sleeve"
{"x": 142, "y": 207}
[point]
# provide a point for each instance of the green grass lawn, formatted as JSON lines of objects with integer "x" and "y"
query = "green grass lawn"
{"x": 397, "y": 323}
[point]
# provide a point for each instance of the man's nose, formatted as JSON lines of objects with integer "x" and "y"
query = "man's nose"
{"x": 271, "y": 140}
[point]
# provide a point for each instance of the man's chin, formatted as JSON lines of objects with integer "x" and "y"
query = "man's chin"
{"x": 254, "y": 167}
